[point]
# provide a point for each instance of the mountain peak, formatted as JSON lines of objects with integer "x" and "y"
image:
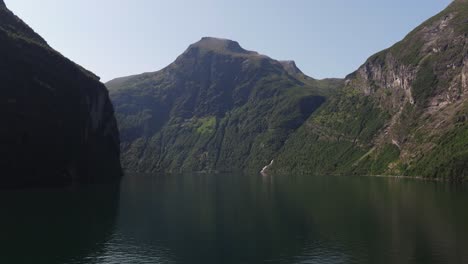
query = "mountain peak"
{"x": 220, "y": 45}
{"x": 2, "y": 4}
{"x": 291, "y": 67}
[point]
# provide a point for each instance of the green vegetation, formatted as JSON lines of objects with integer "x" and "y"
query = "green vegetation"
{"x": 408, "y": 54}
{"x": 219, "y": 107}
{"x": 426, "y": 81}
{"x": 379, "y": 161}
{"x": 334, "y": 138}
{"x": 448, "y": 159}
{"x": 206, "y": 125}
{"x": 212, "y": 121}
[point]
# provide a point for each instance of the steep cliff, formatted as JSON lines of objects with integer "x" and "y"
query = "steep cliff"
{"x": 58, "y": 122}
{"x": 404, "y": 112}
{"x": 218, "y": 107}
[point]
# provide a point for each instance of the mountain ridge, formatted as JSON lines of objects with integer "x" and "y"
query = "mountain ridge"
{"x": 208, "y": 91}
{"x": 60, "y": 127}
{"x": 403, "y": 112}
{"x": 219, "y": 46}
{"x": 417, "y": 94}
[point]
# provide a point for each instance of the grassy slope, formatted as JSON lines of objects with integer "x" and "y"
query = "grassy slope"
{"x": 449, "y": 158}
{"x": 335, "y": 138}
{"x": 180, "y": 122}
{"x": 341, "y": 136}
{"x": 192, "y": 116}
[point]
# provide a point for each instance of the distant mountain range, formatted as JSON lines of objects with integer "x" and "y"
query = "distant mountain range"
{"x": 219, "y": 107}
{"x": 58, "y": 125}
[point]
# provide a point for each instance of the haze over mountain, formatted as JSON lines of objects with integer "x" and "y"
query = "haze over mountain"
{"x": 219, "y": 107}
{"x": 404, "y": 112}
{"x": 59, "y": 125}
{"x": 326, "y": 38}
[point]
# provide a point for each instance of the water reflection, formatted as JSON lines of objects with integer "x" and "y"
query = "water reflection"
{"x": 386, "y": 220}
{"x": 56, "y": 226}
{"x": 240, "y": 219}
{"x": 203, "y": 218}
{"x": 294, "y": 219}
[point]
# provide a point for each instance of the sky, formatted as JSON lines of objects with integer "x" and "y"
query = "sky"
{"x": 326, "y": 38}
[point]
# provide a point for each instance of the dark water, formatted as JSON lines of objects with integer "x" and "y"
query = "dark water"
{"x": 238, "y": 219}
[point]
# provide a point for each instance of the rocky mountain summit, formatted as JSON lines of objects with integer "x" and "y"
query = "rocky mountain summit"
{"x": 220, "y": 107}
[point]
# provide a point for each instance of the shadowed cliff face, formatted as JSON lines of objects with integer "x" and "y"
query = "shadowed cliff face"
{"x": 58, "y": 123}
{"x": 56, "y": 226}
{"x": 217, "y": 107}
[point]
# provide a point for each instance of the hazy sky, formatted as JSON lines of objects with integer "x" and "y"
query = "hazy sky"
{"x": 326, "y": 38}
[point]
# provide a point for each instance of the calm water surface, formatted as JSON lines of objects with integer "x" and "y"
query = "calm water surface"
{"x": 238, "y": 219}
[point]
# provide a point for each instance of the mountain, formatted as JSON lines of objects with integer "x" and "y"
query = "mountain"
{"x": 218, "y": 107}
{"x": 58, "y": 122}
{"x": 404, "y": 112}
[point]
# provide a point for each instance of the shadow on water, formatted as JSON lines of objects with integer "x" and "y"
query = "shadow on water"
{"x": 292, "y": 219}
{"x": 238, "y": 219}
{"x": 56, "y": 225}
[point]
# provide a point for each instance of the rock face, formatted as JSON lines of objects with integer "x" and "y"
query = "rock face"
{"x": 404, "y": 112}
{"x": 59, "y": 125}
{"x": 291, "y": 68}
{"x": 218, "y": 107}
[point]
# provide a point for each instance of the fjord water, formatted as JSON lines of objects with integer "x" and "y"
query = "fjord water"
{"x": 232, "y": 218}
